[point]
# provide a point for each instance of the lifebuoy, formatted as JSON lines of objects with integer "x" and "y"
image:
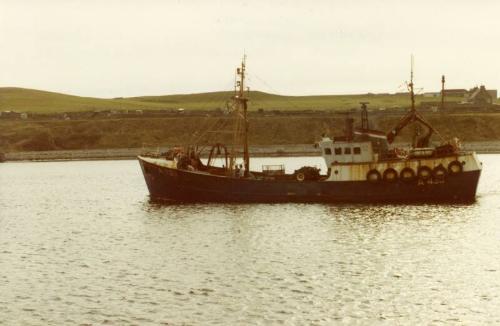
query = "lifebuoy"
{"x": 300, "y": 176}
{"x": 424, "y": 173}
{"x": 455, "y": 167}
{"x": 439, "y": 173}
{"x": 407, "y": 174}
{"x": 390, "y": 175}
{"x": 373, "y": 176}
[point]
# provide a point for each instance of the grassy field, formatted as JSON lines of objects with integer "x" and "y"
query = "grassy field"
{"x": 35, "y": 101}
{"x": 131, "y": 133}
{"x": 261, "y": 100}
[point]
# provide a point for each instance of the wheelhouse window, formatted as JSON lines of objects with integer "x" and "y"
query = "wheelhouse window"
{"x": 347, "y": 150}
{"x": 328, "y": 151}
{"x": 338, "y": 151}
{"x": 357, "y": 150}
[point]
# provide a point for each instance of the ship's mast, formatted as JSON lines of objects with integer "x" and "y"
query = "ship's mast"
{"x": 416, "y": 129}
{"x": 412, "y": 118}
{"x": 412, "y": 94}
{"x": 241, "y": 103}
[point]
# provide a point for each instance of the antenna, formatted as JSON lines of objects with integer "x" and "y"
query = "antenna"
{"x": 412, "y": 64}
{"x": 240, "y": 86}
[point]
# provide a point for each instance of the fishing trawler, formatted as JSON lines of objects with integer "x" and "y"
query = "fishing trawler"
{"x": 361, "y": 167}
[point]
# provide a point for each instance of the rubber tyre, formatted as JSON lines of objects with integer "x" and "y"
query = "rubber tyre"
{"x": 455, "y": 167}
{"x": 300, "y": 176}
{"x": 390, "y": 175}
{"x": 373, "y": 176}
{"x": 407, "y": 175}
{"x": 439, "y": 173}
{"x": 424, "y": 173}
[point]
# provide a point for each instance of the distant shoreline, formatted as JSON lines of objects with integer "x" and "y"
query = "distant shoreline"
{"x": 131, "y": 153}
{"x": 483, "y": 147}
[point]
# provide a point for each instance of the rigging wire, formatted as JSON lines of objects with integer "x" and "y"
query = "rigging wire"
{"x": 275, "y": 92}
{"x": 206, "y": 124}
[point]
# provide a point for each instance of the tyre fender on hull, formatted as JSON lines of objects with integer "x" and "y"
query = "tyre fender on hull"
{"x": 424, "y": 173}
{"x": 390, "y": 175}
{"x": 373, "y": 176}
{"x": 439, "y": 173}
{"x": 407, "y": 174}
{"x": 455, "y": 167}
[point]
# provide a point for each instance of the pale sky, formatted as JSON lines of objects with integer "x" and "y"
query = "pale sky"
{"x": 153, "y": 47}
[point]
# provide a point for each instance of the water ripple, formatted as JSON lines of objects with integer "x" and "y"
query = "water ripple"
{"x": 81, "y": 244}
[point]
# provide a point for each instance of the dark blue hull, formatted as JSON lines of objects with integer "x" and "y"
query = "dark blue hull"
{"x": 185, "y": 186}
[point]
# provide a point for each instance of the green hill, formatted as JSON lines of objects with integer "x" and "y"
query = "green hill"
{"x": 36, "y": 101}
{"x": 266, "y": 101}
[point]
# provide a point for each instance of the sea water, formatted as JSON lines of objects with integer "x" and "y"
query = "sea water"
{"x": 82, "y": 244}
